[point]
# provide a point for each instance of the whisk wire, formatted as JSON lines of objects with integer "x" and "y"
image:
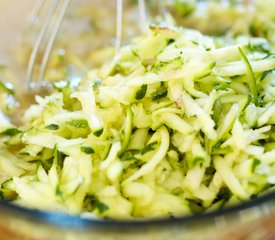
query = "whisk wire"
{"x": 119, "y": 20}
{"x": 142, "y": 15}
{"x": 53, "y": 10}
{"x": 50, "y": 28}
{"x": 52, "y": 38}
{"x": 35, "y": 12}
{"x": 37, "y": 44}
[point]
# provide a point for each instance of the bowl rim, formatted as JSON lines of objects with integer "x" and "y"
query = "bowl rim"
{"x": 64, "y": 220}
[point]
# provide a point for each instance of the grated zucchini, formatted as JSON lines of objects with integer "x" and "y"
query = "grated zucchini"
{"x": 177, "y": 123}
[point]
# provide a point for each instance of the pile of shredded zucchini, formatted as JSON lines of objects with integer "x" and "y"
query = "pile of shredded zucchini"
{"x": 176, "y": 123}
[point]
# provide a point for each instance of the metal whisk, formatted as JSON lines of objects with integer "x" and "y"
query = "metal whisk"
{"x": 53, "y": 20}
{"x": 55, "y": 14}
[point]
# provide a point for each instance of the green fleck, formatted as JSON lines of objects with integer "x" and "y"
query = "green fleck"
{"x": 135, "y": 53}
{"x": 87, "y": 149}
{"x": 129, "y": 159}
{"x": 208, "y": 176}
{"x": 102, "y": 207}
{"x": 127, "y": 131}
{"x": 196, "y": 206}
{"x": 160, "y": 65}
{"x": 198, "y": 160}
{"x": 251, "y": 77}
{"x": 255, "y": 163}
{"x": 8, "y": 195}
{"x": 149, "y": 147}
{"x": 118, "y": 67}
{"x": 210, "y": 170}
{"x": 78, "y": 123}
{"x": 253, "y": 30}
{"x": 98, "y": 133}
{"x": 24, "y": 153}
{"x": 58, "y": 158}
{"x": 92, "y": 201}
{"x": 160, "y": 93}
{"x": 260, "y": 47}
{"x": 59, "y": 193}
{"x": 127, "y": 156}
{"x": 141, "y": 92}
{"x": 52, "y": 127}
{"x": 224, "y": 194}
{"x": 47, "y": 163}
{"x": 217, "y": 110}
{"x": 6, "y": 183}
{"x": 269, "y": 146}
{"x": 220, "y": 87}
{"x": 170, "y": 41}
{"x": 97, "y": 82}
{"x": 7, "y": 87}
{"x": 11, "y": 132}
{"x": 265, "y": 74}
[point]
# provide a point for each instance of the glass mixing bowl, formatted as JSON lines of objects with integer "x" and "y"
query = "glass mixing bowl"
{"x": 251, "y": 220}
